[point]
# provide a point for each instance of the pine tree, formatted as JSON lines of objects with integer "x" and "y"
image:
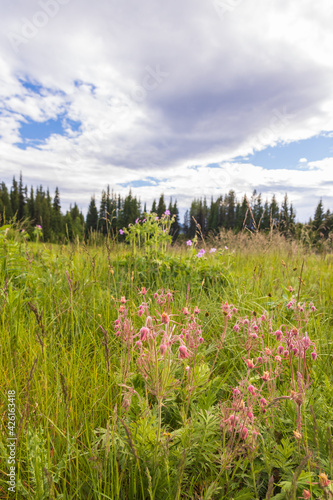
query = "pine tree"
{"x": 161, "y": 207}
{"x": 318, "y": 216}
{"x": 175, "y": 227}
{"x": 5, "y": 204}
{"x": 274, "y": 212}
{"x": 266, "y": 218}
{"x": 56, "y": 216}
{"x": 230, "y": 209}
{"x": 92, "y": 216}
{"x": 21, "y": 198}
{"x": 14, "y": 198}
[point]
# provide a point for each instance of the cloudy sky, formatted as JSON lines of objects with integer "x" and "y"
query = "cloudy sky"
{"x": 182, "y": 97}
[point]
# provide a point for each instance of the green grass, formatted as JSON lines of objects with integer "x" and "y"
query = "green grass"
{"x": 82, "y": 434}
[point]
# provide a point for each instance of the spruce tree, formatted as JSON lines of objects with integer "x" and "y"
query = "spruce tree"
{"x": 161, "y": 207}
{"x": 5, "y": 204}
{"x": 92, "y": 216}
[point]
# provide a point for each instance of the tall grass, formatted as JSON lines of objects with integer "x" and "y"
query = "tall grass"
{"x": 91, "y": 425}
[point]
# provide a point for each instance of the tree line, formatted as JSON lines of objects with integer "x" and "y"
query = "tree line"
{"x": 38, "y": 207}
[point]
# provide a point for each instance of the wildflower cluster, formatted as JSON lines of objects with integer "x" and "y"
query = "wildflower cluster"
{"x": 269, "y": 354}
{"x": 152, "y": 233}
{"x": 163, "y": 340}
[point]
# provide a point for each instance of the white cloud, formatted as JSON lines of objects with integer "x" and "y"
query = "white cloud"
{"x": 160, "y": 87}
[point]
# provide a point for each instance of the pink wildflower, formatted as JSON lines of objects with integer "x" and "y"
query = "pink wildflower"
{"x": 251, "y": 390}
{"x": 314, "y": 355}
{"x": 165, "y": 318}
{"x": 163, "y": 349}
{"x": 244, "y": 433}
{"x": 143, "y": 333}
{"x": 278, "y": 335}
{"x": 196, "y": 310}
{"x": 249, "y": 363}
{"x": 263, "y": 402}
{"x": 183, "y": 353}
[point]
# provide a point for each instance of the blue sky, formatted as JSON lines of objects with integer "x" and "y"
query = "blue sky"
{"x": 190, "y": 98}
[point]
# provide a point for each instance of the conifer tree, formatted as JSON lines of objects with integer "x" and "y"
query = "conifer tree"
{"x": 5, "y": 204}
{"x": 92, "y": 216}
{"x": 161, "y": 207}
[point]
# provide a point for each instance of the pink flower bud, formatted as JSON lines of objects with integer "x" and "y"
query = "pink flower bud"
{"x": 280, "y": 349}
{"x": 234, "y": 310}
{"x": 250, "y": 416}
{"x": 186, "y": 311}
{"x": 163, "y": 349}
{"x": 183, "y": 352}
{"x": 263, "y": 402}
{"x": 314, "y": 355}
{"x": 259, "y": 359}
{"x": 251, "y": 390}
{"x": 138, "y": 343}
{"x": 236, "y": 328}
{"x": 295, "y": 351}
{"x": 265, "y": 376}
{"x": 278, "y": 335}
{"x": 236, "y": 392}
{"x": 306, "y": 494}
{"x": 143, "y": 333}
{"x": 244, "y": 433}
{"x": 249, "y": 363}
{"x": 285, "y": 353}
{"x": 165, "y": 318}
{"x": 278, "y": 359}
{"x": 123, "y": 300}
{"x": 196, "y": 310}
{"x": 201, "y": 340}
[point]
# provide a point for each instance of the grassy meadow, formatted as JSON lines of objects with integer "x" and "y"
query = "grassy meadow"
{"x": 149, "y": 372}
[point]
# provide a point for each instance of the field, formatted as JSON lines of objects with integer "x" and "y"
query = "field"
{"x": 149, "y": 372}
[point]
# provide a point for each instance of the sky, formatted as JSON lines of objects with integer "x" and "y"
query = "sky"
{"x": 189, "y": 98}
